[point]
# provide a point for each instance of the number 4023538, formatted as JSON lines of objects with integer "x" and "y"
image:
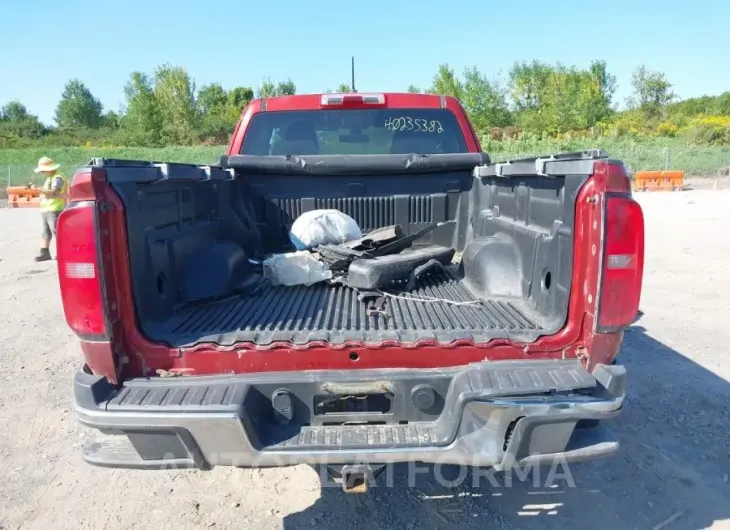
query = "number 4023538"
{"x": 408, "y": 123}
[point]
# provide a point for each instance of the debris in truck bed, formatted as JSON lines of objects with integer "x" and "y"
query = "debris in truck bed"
{"x": 373, "y": 261}
{"x": 375, "y": 238}
{"x": 404, "y": 242}
{"x": 381, "y": 271}
{"x": 323, "y": 227}
{"x": 432, "y": 264}
{"x": 370, "y": 262}
{"x": 337, "y": 258}
{"x": 295, "y": 268}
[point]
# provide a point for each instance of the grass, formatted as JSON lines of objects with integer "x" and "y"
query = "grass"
{"x": 637, "y": 154}
{"x": 16, "y": 165}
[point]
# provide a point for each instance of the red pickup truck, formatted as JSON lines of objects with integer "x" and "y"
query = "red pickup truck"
{"x": 505, "y": 357}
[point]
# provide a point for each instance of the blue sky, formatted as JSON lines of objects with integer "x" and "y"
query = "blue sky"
{"x": 44, "y": 43}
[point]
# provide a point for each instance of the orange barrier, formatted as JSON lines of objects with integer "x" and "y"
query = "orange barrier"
{"x": 658, "y": 180}
{"x": 23, "y": 197}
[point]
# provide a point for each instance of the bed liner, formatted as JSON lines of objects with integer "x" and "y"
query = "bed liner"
{"x": 334, "y": 314}
{"x": 191, "y": 224}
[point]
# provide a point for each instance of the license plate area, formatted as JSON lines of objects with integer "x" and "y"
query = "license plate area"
{"x": 366, "y": 403}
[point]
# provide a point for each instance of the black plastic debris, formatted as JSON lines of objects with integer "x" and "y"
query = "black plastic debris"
{"x": 402, "y": 243}
{"x": 382, "y": 257}
{"x": 337, "y": 257}
{"x": 427, "y": 267}
{"x": 376, "y": 238}
{"x": 381, "y": 271}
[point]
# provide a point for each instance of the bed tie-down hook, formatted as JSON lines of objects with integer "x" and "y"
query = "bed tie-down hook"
{"x": 376, "y": 308}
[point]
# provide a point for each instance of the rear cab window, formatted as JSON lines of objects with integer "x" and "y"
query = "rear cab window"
{"x": 354, "y": 132}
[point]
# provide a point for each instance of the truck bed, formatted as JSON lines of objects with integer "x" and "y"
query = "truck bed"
{"x": 193, "y": 229}
{"x": 441, "y": 308}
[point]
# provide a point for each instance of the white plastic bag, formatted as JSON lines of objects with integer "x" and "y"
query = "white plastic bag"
{"x": 295, "y": 268}
{"x": 323, "y": 227}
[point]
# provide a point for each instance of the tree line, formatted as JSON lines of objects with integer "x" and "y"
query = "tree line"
{"x": 535, "y": 98}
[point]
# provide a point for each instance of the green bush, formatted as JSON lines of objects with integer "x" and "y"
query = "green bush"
{"x": 709, "y": 130}
{"x": 667, "y": 129}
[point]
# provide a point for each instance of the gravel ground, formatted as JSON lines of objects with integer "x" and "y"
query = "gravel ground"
{"x": 671, "y": 472}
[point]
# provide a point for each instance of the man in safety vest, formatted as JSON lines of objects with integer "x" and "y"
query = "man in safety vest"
{"x": 53, "y": 199}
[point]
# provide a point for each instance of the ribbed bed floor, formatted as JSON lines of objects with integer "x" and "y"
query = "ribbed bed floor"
{"x": 440, "y": 308}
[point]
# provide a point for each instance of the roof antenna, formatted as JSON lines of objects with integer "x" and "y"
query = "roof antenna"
{"x": 353, "y": 74}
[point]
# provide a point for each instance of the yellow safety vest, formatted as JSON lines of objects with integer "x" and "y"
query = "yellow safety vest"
{"x": 56, "y": 204}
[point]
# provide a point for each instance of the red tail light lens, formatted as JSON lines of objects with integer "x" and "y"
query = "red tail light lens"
{"x": 352, "y": 100}
{"x": 78, "y": 272}
{"x": 617, "y": 179}
{"x": 623, "y": 263}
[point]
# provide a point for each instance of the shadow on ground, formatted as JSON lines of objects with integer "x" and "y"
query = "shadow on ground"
{"x": 671, "y": 471}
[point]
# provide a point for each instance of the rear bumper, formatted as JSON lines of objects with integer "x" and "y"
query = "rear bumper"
{"x": 497, "y": 414}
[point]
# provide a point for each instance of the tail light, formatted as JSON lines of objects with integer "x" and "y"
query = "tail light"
{"x": 622, "y": 266}
{"x": 78, "y": 266}
{"x": 353, "y": 100}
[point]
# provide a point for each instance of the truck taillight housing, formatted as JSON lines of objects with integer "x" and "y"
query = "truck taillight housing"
{"x": 78, "y": 271}
{"x": 622, "y": 265}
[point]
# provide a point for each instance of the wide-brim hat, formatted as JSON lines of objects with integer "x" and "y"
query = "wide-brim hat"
{"x": 46, "y": 164}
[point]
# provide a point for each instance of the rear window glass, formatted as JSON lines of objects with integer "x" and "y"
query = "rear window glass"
{"x": 353, "y": 132}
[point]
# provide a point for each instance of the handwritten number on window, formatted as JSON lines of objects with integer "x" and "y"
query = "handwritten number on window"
{"x": 408, "y": 123}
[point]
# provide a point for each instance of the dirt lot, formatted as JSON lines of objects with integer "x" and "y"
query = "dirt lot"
{"x": 672, "y": 471}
